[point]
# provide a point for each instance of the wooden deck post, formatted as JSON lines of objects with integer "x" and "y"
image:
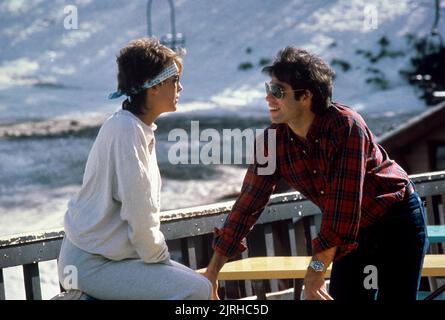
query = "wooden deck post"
{"x": 2, "y": 286}
{"x": 32, "y": 281}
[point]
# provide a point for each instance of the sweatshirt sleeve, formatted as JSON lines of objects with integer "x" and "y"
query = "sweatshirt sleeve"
{"x": 137, "y": 195}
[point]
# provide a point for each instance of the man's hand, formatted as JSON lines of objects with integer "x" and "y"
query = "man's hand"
{"x": 315, "y": 286}
{"x": 314, "y": 283}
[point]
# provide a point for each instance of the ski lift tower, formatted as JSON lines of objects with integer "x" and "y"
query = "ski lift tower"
{"x": 173, "y": 40}
{"x": 426, "y": 82}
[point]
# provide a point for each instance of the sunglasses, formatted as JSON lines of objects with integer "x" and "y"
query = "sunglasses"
{"x": 277, "y": 91}
{"x": 175, "y": 79}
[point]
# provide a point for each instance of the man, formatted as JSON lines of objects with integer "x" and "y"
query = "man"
{"x": 371, "y": 214}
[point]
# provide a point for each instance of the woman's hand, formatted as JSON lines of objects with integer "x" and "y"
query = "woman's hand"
{"x": 213, "y": 278}
{"x": 212, "y": 271}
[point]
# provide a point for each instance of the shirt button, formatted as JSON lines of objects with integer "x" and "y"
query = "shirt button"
{"x": 322, "y": 191}
{"x": 316, "y": 140}
{"x": 292, "y": 139}
{"x": 315, "y": 171}
{"x": 304, "y": 151}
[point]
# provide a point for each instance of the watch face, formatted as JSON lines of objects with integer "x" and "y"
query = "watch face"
{"x": 317, "y": 265}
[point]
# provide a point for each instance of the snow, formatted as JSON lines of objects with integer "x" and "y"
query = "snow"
{"x": 217, "y": 36}
{"x": 47, "y": 71}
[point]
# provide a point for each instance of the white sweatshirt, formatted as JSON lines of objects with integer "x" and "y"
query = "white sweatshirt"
{"x": 116, "y": 212}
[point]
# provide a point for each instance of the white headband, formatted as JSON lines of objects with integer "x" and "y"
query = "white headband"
{"x": 168, "y": 72}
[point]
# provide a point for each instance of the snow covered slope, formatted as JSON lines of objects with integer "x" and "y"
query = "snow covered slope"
{"x": 75, "y": 67}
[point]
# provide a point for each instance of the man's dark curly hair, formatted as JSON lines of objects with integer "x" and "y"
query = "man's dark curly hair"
{"x": 141, "y": 60}
{"x": 303, "y": 70}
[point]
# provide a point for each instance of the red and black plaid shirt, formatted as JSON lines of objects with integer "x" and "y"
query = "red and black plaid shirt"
{"x": 340, "y": 167}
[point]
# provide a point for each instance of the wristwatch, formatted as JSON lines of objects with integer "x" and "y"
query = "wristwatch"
{"x": 317, "y": 265}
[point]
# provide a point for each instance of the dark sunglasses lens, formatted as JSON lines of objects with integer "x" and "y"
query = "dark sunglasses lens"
{"x": 275, "y": 90}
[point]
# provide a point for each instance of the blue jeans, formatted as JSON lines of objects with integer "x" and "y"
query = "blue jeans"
{"x": 396, "y": 246}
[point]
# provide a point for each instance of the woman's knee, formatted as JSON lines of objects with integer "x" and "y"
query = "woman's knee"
{"x": 202, "y": 289}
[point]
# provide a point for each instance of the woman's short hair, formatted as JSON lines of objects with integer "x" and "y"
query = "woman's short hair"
{"x": 141, "y": 60}
{"x": 303, "y": 70}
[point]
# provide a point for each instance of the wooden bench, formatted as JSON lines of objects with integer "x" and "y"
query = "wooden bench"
{"x": 294, "y": 267}
{"x": 257, "y": 268}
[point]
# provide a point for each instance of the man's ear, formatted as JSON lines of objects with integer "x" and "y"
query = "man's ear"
{"x": 308, "y": 95}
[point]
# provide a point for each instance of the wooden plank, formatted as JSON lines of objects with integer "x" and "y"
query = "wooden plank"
{"x": 191, "y": 222}
{"x": 257, "y": 247}
{"x": 32, "y": 281}
{"x": 191, "y": 253}
{"x": 301, "y": 244}
{"x": 308, "y": 234}
{"x": 430, "y": 187}
{"x": 42, "y": 250}
{"x": 270, "y": 251}
{"x": 436, "y": 234}
{"x": 62, "y": 289}
{"x": 434, "y": 265}
{"x": 256, "y": 268}
{"x": 442, "y": 209}
{"x": 247, "y": 283}
{"x": 313, "y": 228}
{"x": 436, "y": 203}
{"x": 298, "y": 288}
{"x": 32, "y": 237}
{"x": 427, "y": 177}
{"x": 292, "y": 237}
{"x": 442, "y": 222}
{"x": 430, "y": 210}
{"x": 300, "y": 238}
{"x": 2, "y": 286}
{"x": 260, "y": 291}
{"x": 295, "y": 268}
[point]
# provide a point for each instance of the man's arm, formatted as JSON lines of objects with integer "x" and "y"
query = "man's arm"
{"x": 342, "y": 210}
{"x": 229, "y": 241}
{"x": 342, "y": 201}
{"x": 314, "y": 281}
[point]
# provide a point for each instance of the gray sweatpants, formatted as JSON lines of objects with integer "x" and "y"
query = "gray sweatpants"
{"x": 131, "y": 279}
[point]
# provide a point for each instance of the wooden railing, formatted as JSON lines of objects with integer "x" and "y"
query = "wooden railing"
{"x": 286, "y": 227}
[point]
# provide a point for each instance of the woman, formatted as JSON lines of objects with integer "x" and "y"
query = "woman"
{"x": 112, "y": 227}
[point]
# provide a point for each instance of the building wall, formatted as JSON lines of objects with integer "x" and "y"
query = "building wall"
{"x": 414, "y": 158}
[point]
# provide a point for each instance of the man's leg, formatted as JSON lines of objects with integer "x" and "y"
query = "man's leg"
{"x": 402, "y": 250}
{"x": 348, "y": 274}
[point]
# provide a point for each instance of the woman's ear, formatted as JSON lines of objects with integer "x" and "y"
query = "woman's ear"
{"x": 154, "y": 90}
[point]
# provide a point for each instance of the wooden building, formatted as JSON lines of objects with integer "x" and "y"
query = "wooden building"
{"x": 419, "y": 144}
